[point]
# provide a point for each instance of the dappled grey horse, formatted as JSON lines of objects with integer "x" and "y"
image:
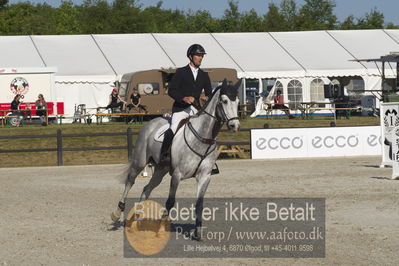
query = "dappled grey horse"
{"x": 193, "y": 151}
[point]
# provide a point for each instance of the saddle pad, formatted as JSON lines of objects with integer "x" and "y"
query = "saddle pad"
{"x": 158, "y": 136}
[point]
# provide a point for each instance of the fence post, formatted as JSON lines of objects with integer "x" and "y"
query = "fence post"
{"x": 129, "y": 143}
{"x": 59, "y": 148}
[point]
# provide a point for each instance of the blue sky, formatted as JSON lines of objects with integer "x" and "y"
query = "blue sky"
{"x": 344, "y": 8}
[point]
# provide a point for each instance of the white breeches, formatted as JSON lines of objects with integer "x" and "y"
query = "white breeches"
{"x": 178, "y": 116}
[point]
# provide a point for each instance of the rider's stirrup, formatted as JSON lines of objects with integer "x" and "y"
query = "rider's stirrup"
{"x": 215, "y": 170}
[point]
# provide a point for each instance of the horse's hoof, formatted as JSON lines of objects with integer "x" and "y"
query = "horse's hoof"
{"x": 115, "y": 217}
{"x": 196, "y": 238}
{"x": 195, "y": 235}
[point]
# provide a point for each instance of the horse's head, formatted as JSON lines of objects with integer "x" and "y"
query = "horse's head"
{"x": 227, "y": 108}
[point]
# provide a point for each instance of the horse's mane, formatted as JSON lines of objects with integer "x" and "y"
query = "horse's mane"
{"x": 229, "y": 90}
{"x": 208, "y": 101}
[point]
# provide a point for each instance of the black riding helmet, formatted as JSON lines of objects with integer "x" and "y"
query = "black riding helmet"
{"x": 195, "y": 49}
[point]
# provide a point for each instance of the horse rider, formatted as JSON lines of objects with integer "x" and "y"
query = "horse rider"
{"x": 185, "y": 88}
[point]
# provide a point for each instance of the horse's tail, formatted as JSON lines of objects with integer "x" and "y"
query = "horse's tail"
{"x": 138, "y": 161}
{"x": 126, "y": 173}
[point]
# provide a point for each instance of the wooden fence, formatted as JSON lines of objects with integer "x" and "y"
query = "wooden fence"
{"x": 60, "y": 149}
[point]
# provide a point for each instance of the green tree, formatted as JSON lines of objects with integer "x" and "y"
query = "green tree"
{"x": 128, "y": 16}
{"x": 200, "y": 21}
{"x": 289, "y": 12}
{"x": 125, "y": 16}
{"x": 250, "y": 21}
{"x": 273, "y": 20}
{"x": 372, "y": 20}
{"x": 317, "y": 15}
{"x": 390, "y": 25}
{"x": 43, "y": 20}
{"x": 67, "y": 19}
{"x": 121, "y": 4}
{"x": 156, "y": 19}
{"x": 230, "y": 22}
{"x": 18, "y": 19}
{"x": 349, "y": 23}
{"x": 95, "y": 17}
{"x": 3, "y": 4}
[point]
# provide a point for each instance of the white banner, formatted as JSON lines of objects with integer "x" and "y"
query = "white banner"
{"x": 315, "y": 142}
{"x": 29, "y": 85}
{"x": 395, "y": 152}
{"x": 389, "y": 116}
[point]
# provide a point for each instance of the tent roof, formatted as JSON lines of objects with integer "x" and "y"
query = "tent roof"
{"x": 175, "y": 45}
{"x": 394, "y": 34}
{"x": 73, "y": 55}
{"x": 258, "y": 54}
{"x": 18, "y": 51}
{"x": 367, "y": 44}
{"x": 133, "y": 52}
{"x": 253, "y": 55}
{"x": 319, "y": 53}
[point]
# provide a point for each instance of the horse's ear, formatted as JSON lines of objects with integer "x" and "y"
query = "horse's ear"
{"x": 224, "y": 84}
{"x": 238, "y": 84}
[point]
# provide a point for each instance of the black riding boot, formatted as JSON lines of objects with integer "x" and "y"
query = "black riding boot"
{"x": 167, "y": 141}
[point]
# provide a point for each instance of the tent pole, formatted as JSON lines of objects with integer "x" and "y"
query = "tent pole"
{"x": 244, "y": 91}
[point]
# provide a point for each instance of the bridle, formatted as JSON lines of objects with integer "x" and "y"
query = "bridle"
{"x": 220, "y": 121}
{"x": 223, "y": 119}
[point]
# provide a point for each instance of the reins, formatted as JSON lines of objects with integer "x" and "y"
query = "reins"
{"x": 208, "y": 141}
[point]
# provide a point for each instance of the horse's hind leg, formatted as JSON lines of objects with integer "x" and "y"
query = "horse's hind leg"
{"x": 131, "y": 177}
{"x": 158, "y": 174}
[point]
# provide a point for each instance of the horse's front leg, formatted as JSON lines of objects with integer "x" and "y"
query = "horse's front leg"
{"x": 174, "y": 184}
{"x": 202, "y": 185}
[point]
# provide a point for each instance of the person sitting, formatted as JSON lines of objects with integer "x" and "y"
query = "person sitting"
{"x": 16, "y": 103}
{"x": 279, "y": 104}
{"x": 136, "y": 102}
{"x": 115, "y": 101}
{"x": 40, "y": 105}
{"x": 15, "y": 109}
{"x": 340, "y": 103}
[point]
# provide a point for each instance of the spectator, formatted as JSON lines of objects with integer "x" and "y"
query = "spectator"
{"x": 136, "y": 101}
{"x": 15, "y": 106}
{"x": 16, "y": 103}
{"x": 279, "y": 104}
{"x": 115, "y": 101}
{"x": 40, "y": 105}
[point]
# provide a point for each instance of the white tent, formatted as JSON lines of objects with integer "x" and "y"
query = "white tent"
{"x": 259, "y": 55}
{"x": 89, "y": 64}
{"x": 19, "y": 51}
{"x": 363, "y": 44}
{"x": 132, "y": 52}
{"x": 175, "y": 46}
{"x": 84, "y": 74}
{"x": 319, "y": 54}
